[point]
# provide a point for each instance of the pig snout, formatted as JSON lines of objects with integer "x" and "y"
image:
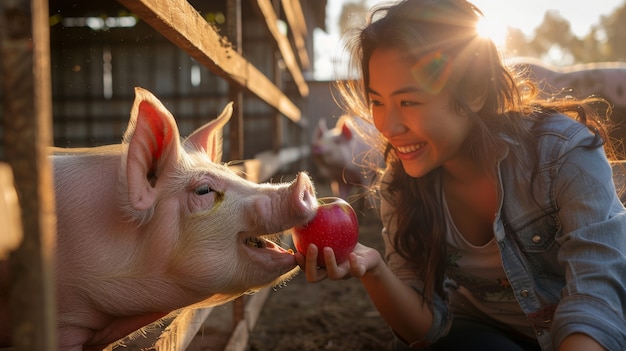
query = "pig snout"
{"x": 303, "y": 199}
{"x": 296, "y": 204}
{"x": 317, "y": 149}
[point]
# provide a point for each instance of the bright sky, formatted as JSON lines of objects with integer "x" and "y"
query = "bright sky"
{"x": 524, "y": 15}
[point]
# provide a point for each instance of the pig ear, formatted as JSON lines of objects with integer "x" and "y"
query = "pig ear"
{"x": 345, "y": 131}
{"x": 321, "y": 128}
{"x": 209, "y": 137}
{"x": 153, "y": 143}
{"x": 322, "y": 125}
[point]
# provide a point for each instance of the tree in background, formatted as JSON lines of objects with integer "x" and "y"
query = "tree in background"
{"x": 614, "y": 27}
{"x": 554, "y": 41}
{"x": 353, "y": 14}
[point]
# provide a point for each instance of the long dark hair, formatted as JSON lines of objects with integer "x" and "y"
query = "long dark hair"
{"x": 441, "y": 37}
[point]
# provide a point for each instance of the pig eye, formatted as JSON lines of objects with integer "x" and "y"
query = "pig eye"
{"x": 202, "y": 190}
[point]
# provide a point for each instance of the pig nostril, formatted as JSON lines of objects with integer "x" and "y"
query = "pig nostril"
{"x": 305, "y": 192}
{"x": 306, "y": 197}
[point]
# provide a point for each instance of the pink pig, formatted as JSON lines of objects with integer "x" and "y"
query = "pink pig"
{"x": 343, "y": 156}
{"x": 156, "y": 224}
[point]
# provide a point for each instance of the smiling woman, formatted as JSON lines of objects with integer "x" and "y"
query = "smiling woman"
{"x": 463, "y": 265}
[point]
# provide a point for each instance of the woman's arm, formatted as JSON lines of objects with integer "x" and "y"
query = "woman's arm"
{"x": 398, "y": 304}
{"x": 580, "y": 342}
{"x": 592, "y": 252}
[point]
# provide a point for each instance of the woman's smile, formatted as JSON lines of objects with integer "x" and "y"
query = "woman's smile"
{"x": 410, "y": 148}
{"x": 410, "y": 151}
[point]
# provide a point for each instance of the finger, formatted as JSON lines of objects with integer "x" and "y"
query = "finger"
{"x": 312, "y": 273}
{"x": 300, "y": 259}
{"x": 356, "y": 268}
{"x": 331, "y": 264}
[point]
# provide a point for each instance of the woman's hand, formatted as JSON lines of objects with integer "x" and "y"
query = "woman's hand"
{"x": 360, "y": 260}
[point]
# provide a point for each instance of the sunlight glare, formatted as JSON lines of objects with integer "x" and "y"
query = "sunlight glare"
{"x": 494, "y": 30}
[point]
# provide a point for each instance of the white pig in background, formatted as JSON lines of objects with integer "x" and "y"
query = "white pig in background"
{"x": 603, "y": 79}
{"x": 343, "y": 156}
{"x": 156, "y": 224}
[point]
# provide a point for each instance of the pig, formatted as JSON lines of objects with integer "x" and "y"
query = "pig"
{"x": 157, "y": 223}
{"x": 602, "y": 79}
{"x": 605, "y": 79}
{"x": 344, "y": 157}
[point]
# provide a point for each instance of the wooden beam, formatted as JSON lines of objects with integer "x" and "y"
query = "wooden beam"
{"x": 297, "y": 10}
{"x": 235, "y": 94}
{"x": 179, "y": 22}
{"x": 27, "y": 122}
{"x": 298, "y": 29}
{"x": 269, "y": 162}
{"x": 283, "y": 45}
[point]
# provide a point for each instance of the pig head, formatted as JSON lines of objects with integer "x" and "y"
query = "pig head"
{"x": 156, "y": 224}
{"x": 344, "y": 157}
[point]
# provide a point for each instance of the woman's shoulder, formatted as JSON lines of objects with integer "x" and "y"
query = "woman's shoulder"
{"x": 553, "y": 135}
{"x": 559, "y": 125}
{"x": 561, "y": 132}
{"x": 556, "y": 124}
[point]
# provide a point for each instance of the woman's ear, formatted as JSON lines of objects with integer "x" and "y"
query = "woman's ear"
{"x": 476, "y": 97}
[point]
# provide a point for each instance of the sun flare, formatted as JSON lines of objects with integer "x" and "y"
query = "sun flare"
{"x": 494, "y": 30}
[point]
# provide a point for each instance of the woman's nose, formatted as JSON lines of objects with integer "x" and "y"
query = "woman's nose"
{"x": 391, "y": 123}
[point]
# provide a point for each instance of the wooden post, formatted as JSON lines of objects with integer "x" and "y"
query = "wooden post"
{"x": 27, "y": 111}
{"x": 277, "y": 121}
{"x": 234, "y": 33}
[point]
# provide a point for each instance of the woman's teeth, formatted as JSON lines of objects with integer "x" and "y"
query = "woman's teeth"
{"x": 409, "y": 148}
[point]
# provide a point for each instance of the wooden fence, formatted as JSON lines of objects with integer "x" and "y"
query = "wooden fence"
{"x": 27, "y": 132}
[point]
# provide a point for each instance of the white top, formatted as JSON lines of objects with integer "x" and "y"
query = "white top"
{"x": 484, "y": 290}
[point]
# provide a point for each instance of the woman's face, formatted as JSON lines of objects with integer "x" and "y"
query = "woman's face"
{"x": 421, "y": 126}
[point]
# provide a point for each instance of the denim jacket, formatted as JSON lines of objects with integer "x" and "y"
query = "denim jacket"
{"x": 563, "y": 243}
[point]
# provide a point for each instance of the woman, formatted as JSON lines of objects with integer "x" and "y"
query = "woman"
{"x": 502, "y": 226}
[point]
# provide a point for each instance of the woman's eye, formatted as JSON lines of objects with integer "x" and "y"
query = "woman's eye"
{"x": 202, "y": 190}
{"x": 409, "y": 103}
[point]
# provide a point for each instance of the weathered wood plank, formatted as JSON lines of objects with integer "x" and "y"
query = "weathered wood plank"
{"x": 295, "y": 18}
{"x": 269, "y": 162}
{"x": 27, "y": 121}
{"x": 181, "y": 331}
{"x": 235, "y": 33}
{"x": 241, "y": 333}
{"x": 283, "y": 45}
{"x": 179, "y": 22}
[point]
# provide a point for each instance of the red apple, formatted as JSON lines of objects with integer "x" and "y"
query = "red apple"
{"x": 335, "y": 225}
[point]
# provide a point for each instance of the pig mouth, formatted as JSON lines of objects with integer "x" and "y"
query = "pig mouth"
{"x": 269, "y": 257}
{"x": 258, "y": 243}
{"x": 261, "y": 243}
